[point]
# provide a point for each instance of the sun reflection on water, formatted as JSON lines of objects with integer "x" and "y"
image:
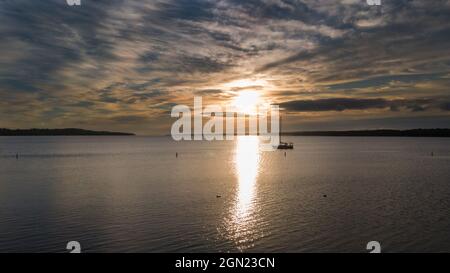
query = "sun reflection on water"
{"x": 241, "y": 223}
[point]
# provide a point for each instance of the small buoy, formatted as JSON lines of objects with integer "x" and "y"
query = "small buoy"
{"x": 176, "y": 155}
{"x": 325, "y": 195}
{"x": 218, "y": 196}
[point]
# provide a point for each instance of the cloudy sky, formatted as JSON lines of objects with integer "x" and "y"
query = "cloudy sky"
{"x": 122, "y": 65}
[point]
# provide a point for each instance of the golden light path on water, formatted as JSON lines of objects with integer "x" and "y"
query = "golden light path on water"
{"x": 240, "y": 226}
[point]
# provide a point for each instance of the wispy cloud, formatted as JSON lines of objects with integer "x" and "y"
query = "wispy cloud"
{"x": 121, "y": 64}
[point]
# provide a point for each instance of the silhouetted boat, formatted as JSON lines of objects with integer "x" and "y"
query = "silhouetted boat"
{"x": 284, "y": 145}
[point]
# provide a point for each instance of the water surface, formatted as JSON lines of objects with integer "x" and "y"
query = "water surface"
{"x": 132, "y": 194}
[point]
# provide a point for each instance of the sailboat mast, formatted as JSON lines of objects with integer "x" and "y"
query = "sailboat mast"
{"x": 281, "y": 126}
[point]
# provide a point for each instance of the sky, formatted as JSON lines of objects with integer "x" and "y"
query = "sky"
{"x": 122, "y": 65}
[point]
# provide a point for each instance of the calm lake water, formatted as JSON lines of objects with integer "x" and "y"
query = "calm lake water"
{"x": 131, "y": 194}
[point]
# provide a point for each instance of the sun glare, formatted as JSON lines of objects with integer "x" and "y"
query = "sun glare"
{"x": 247, "y": 101}
{"x": 246, "y": 83}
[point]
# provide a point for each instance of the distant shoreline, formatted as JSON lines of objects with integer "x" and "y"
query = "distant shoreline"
{"x": 439, "y": 132}
{"x": 376, "y": 133}
{"x": 59, "y": 132}
{"x": 350, "y": 133}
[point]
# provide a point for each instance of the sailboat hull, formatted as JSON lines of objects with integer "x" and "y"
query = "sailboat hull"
{"x": 285, "y": 146}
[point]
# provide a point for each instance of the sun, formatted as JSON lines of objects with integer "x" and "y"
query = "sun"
{"x": 247, "y": 101}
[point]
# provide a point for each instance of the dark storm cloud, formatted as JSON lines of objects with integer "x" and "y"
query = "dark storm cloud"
{"x": 343, "y": 104}
{"x": 337, "y": 104}
{"x": 445, "y": 106}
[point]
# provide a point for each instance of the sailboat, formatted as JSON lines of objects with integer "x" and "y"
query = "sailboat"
{"x": 284, "y": 145}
